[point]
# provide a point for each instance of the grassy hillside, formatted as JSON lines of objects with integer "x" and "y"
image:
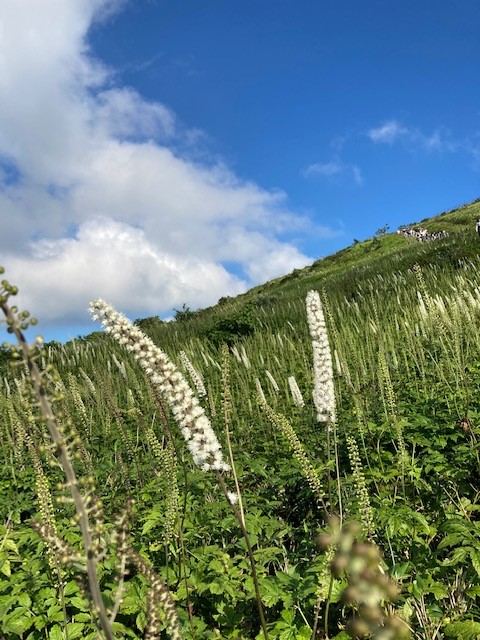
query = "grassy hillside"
{"x": 338, "y": 274}
{"x": 351, "y": 425}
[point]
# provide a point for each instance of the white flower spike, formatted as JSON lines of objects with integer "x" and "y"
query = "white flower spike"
{"x": 190, "y": 416}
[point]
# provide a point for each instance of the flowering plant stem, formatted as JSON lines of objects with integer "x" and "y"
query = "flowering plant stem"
{"x": 72, "y": 481}
{"x": 238, "y": 513}
{"x": 241, "y": 521}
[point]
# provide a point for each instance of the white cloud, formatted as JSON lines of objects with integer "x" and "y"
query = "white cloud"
{"x": 123, "y": 113}
{"x": 96, "y": 199}
{"x": 388, "y": 133}
{"x": 333, "y": 169}
{"x": 357, "y": 175}
{"x": 326, "y": 169}
{"x": 115, "y": 261}
{"x": 392, "y": 132}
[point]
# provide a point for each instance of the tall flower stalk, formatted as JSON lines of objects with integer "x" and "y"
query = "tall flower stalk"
{"x": 163, "y": 374}
{"x": 323, "y": 391}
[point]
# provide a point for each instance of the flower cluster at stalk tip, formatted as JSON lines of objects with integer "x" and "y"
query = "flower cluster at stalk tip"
{"x": 324, "y": 392}
{"x": 190, "y": 416}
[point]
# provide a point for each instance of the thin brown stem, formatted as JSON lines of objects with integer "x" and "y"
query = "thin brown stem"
{"x": 241, "y": 522}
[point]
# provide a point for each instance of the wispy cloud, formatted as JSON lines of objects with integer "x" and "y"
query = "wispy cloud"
{"x": 357, "y": 175}
{"x": 441, "y": 140}
{"x": 334, "y": 168}
{"x": 393, "y": 131}
{"x": 326, "y": 169}
{"x": 388, "y": 133}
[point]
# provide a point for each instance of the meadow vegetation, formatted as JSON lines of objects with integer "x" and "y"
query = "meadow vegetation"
{"x": 266, "y": 468}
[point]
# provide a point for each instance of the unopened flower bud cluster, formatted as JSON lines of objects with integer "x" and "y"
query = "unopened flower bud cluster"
{"x": 190, "y": 416}
{"x": 194, "y": 375}
{"x": 368, "y": 587}
{"x": 324, "y": 392}
{"x": 296, "y": 393}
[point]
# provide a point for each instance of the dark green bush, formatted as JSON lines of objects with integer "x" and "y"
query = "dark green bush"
{"x": 229, "y": 328}
{"x": 185, "y": 313}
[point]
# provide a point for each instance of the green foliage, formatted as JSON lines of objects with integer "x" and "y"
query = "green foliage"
{"x": 147, "y": 325}
{"x": 467, "y": 630}
{"x": 185, "y": 313}
{"x": 379, "y": 233}
{"x": 238, "y": 324}
{"x": 425, "y": 507}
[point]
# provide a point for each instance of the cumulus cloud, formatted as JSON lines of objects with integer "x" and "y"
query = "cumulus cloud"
{"x": 116, "y": 261}
{"x": 97, "y": 199}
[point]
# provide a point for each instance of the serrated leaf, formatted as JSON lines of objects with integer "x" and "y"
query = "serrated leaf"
{"x": 475, "y": 558}
{"x": 458, "y": 556}
{"x": 5, "y": 568}
{"x": 217, "y": 566}
{"x": 399, "y": 571}
{"x": 56, "y": 633}
{"x": 83, "y": 617}
{"x": 78, "y": 603}
{"x": 149, "y": 525}
{"x": 466, "y": 630}
{"x": 25, "y": 600}
{"x": 215, "y": 587}
{"x": 18, "y": 621}
{"x": 438, "y": 590}
{"x": 70, "y": 588}
{"x": 141, "y": 621}
{"x": 451, "y": 540}
{"x": 288, "y": 615}
{"x": 10, "y": 545}
{"x": 75, "y": 630}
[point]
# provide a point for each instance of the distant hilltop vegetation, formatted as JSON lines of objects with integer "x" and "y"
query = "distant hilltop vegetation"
{"x": 443, "y": 239}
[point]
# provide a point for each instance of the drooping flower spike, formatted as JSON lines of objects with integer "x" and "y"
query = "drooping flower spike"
{"x": 190, "y": 416}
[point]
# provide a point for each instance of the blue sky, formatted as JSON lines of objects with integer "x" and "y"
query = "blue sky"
{"x": 160, "y": 152}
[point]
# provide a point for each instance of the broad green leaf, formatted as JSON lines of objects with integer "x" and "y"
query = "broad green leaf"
{"x": 141, "y": 620}
{"x": 18, "y": 621}
{"x": 439, "y": 590}
{"x": 56, "y": 633}
{"x": 458, "y": 555}
{"x": 215, "y": 587}
{"x": 288, "y": 615}
{"x": 75, "y": 630}
{"x": 25, "y": 600}
{"x": 70, "y": 588}
{"x": 78, "y": 603}
{"x": 83, "y": 617}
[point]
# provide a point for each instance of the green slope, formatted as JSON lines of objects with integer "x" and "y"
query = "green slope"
{"x": 339, "y": 274}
